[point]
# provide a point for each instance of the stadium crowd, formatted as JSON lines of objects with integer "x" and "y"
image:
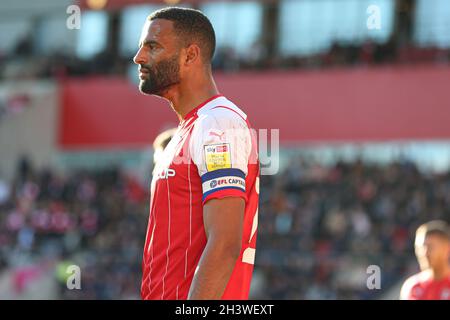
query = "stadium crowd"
{"x": 323, "y": 227}
{"x": 319, "y": 228}
{"x": 23, "y": 63}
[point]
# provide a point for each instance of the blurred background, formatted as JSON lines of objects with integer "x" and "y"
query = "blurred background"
{"x": 360, "y": 93}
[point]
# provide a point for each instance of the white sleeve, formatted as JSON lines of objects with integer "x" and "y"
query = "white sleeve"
{"x": 220, "y": 148}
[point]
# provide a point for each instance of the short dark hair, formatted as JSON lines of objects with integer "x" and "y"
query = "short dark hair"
{"x": 435, "y": 227}
{"x": 190, "y": 25}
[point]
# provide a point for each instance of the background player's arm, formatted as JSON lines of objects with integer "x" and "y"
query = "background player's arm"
{"x": 223, "y": 220}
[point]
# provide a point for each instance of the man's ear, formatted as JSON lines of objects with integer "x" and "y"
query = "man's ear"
{"x": 192, "y": 54}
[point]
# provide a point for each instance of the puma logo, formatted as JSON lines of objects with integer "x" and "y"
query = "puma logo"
{"x": 217, "y": 133}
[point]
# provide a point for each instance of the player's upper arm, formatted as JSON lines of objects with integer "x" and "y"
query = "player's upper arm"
{"x": 223, "y": 220}
{"x": 220, "y": 148}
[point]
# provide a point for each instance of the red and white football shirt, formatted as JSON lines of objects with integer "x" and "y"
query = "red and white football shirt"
{"x": 213, "y": 154}
{"x": 422, "y": 286}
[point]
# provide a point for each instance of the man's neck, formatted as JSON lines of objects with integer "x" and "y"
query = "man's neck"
{"x": 441, "y": 273}
{"x": 185, "y": 99}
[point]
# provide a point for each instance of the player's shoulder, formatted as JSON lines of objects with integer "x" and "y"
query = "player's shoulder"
{"x": 416, "y": 279}
{"x": 415, "y": 284}
{"x": 222, "y": 111}
{"x": 421, "y": 277}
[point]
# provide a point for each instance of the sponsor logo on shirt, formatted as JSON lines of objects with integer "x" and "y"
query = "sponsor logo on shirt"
{"x": 166, "y": 173}
{"x": 217, "y": 156}
{"x": 417, "y": 292}
{"x": 217, "y": 133}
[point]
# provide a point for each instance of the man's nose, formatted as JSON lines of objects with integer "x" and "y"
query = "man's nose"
{"x": 139, "y": 57}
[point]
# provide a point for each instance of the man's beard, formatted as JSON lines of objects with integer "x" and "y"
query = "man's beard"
{"x": 161, "y": 76}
